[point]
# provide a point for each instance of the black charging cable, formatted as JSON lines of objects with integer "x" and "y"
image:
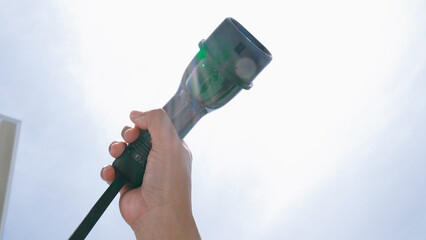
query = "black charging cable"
{"x": 98, "y": 209}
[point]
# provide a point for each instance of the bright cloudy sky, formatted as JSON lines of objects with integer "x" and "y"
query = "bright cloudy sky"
{"x": 328, "y": 144}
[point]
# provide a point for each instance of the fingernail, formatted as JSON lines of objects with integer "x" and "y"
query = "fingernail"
{"x": 124, "y": 134}
{"x": 110, "y": 146}
{"x": 102, "y": 171}
{"x": 125, "y": 129}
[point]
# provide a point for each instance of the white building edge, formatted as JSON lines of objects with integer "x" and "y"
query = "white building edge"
{"x": 9, "y": 131}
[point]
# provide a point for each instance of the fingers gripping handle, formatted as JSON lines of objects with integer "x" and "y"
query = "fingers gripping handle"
{"x": 129, "y": 169}
{"x": 183, "y": 113}
{"x": 132, "y": 163}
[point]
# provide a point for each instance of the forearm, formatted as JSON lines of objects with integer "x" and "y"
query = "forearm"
{"x": 172, "y": 223}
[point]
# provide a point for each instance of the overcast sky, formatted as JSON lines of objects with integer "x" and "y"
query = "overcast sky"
{"x": 330, "y": 143}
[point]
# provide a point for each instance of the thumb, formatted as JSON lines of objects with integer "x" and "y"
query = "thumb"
{"x": 157, "y": 122}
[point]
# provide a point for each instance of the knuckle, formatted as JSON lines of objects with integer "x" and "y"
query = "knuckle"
{"x": 187, "y": 152}
{"x": 158, "y": 114}
{"x": 186, "y": 149}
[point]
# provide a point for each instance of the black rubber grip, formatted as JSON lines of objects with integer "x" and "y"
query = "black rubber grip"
{"x": 132, "y": 163}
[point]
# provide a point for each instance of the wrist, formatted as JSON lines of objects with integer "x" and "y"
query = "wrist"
{"x": 166, "y": 223}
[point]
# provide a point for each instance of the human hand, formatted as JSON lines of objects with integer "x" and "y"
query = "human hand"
{"x": 161, "y": 207}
